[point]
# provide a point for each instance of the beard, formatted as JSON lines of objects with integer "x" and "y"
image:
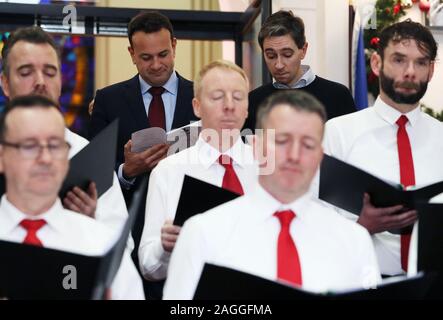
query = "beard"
{"x": 388, "y": 86}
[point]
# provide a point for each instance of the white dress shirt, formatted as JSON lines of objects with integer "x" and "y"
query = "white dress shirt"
{"x": 335, "y": 254}
{"x": 306, "y": 79}
{"x": 413, "y": 252}
{"x": 413, "y": 247}
{"x": 72, "y": 232}
{"x": 165, "y": 182}
{"x": 368, "y": 139}
{"x": 111, "y": 207}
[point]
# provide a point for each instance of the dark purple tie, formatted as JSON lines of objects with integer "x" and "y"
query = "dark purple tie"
{"x": 156, "y": 113}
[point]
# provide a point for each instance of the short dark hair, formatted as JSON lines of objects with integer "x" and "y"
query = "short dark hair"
{"x": 296, "y": 99}
{"x": 149, "y": 22}
{"x": 33, "y": 34}
{"x": 408, "y": 30}
{"x": 28, "y": 101}
{"x": 282, "y": 23}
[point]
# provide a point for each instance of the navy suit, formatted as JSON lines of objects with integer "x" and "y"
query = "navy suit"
{"x": 124, "y": 101}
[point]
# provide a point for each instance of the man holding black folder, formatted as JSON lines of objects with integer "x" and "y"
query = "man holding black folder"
{"x": 277, "y": 231}
{"x": 219, "y": 157}
{"x": 31, "y": 65}
{"x": 34, "y": 160}
{"x": 394, "y": 139}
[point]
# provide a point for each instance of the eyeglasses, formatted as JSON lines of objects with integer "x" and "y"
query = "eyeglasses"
{"x": 31, "y": 150}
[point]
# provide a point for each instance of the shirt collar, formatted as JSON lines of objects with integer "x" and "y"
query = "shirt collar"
{"x": 13, "y": 216}
{"x": 391, "y": 115}
{"x": 171, "y": 85}
{"x": 306, "y": 79}
{"x": 267, "y": 205}
{"x": 239, "y": 153}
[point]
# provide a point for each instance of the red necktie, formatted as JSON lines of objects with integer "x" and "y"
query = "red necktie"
{"x": 156, "y": 113}
{"x": 288, "y": 262}
{"x": 230, "y": 179}
{"x": 32, "y": 226}
{"x": 407, "y": 178}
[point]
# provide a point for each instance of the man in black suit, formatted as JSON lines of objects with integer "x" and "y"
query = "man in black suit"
{"x": 152, "y": 50}
{"x": 283, "y": 42}
{"x": 156, "y": 97}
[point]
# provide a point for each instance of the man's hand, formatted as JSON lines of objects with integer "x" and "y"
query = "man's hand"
{"x": 108, "y": 294}
{"x": 141, "y": 162}
{"x": 377, "y": 220}
{"x": 82, "y": 202}
{"x": 169, "y": 235}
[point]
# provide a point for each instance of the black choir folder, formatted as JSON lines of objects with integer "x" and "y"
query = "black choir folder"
{"x": 30, "y": 272}
{"x": 221, "y": 283}
{"x": 197, "y": 197}
{"x": 343, "y": 185}
{"x": 95, "y": 162}
{"x": 430, "y": 243}
{"x": 430, "y": 236}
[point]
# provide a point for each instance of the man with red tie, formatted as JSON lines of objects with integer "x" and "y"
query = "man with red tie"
{"x": 219, "y": 157}
{"x": 277, "y": 231}
{"x": 32, "y": 65}
{"x": 34, "y": 160}
{"x": 394, "y": 139}
{"x": 157, "y": 96}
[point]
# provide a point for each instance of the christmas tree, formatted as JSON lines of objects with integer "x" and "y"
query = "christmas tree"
{"x": 387, "y": 13}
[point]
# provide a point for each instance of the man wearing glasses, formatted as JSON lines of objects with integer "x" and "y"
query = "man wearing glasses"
{"x": 31, "y": 65}
{"x": 34, "y": 160}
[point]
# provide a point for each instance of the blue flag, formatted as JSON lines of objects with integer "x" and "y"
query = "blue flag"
{"x": 360, "y": 83}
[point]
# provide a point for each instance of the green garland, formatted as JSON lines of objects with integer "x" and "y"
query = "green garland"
{"x": 437, "y": 115}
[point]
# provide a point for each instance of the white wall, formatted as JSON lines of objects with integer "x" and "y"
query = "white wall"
{"x": 236, "y": 6}
{"x": 434, "y": 97}
{"x": 326, "y": 28}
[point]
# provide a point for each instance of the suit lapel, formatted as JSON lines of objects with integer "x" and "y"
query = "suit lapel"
{"x": 183, "y": 107}
{"x": 136, "y": 105}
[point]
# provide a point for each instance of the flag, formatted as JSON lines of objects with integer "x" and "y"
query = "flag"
{"x": 360, "y": 81}
{"x": 358, "y": 64}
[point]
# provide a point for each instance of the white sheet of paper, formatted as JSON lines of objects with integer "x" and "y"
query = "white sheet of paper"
{"x": 146, "y": 138}
{"x": 181, "y": 138}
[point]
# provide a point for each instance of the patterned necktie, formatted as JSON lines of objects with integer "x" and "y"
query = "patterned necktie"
{"x": 407, "y": 178}
{"x": 32, "y": 226}
{"x": 288, "y": 262}
{"x": 156, "y": 113}
{"x": 230, "y": 179}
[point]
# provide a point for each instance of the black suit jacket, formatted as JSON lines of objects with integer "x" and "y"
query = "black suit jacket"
{"x": 124, "y": 101}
